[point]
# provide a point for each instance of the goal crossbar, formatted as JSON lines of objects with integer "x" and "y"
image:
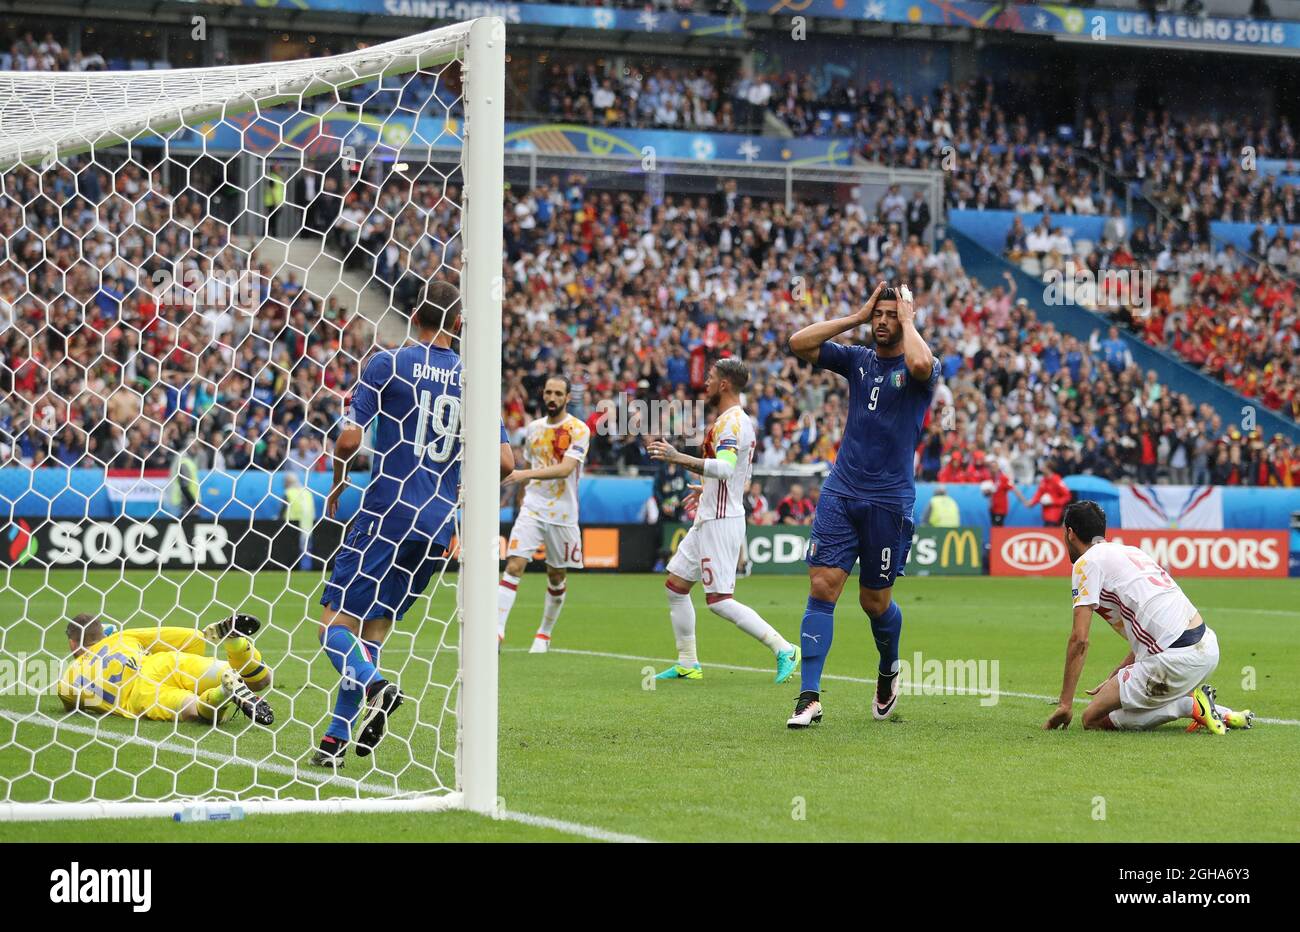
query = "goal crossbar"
{"x": 49, "y": 115}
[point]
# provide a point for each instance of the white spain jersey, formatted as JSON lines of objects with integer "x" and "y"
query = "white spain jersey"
{"x": 1134, "y": 594}
{"x": 733, "y": 430}
{"x": 554, "y": 501}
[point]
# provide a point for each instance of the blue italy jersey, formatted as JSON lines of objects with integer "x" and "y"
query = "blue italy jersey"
{"x": 413, "y": 395}
{"x": 886, "y": 410}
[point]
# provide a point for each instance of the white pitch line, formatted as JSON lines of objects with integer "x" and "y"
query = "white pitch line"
{"x": 573, "y": 828}
{"x": 926, "y": 690}
{"x": 41, "y": 719}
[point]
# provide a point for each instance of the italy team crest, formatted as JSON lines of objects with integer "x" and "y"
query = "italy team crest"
{"x": 896, "y": 379}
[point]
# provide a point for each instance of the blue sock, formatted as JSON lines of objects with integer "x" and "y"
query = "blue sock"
{"x": 357, "y": 670}
{"x": 886, "y": 629}
{"x": 815, "y": 636}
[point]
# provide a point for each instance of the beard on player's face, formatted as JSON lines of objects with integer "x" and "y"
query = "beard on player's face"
{"x": 887, "y": 330}
{"x": 553, "y": 406}
{"x": 712, "y": 390}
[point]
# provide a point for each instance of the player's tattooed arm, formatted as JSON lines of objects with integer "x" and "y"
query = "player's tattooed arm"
{"x": 345, "y": 448}
{"x": 720, "y": 467}
{"x": 807, "y": 343}
{"x": 1076, "y": 652}
{"x": 916, "y": 353}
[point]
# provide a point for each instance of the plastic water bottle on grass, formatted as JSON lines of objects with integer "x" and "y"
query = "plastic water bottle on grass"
{"x": 209, "y": 812}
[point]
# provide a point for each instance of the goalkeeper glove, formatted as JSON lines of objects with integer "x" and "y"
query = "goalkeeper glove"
{"x": 241, "y": 625}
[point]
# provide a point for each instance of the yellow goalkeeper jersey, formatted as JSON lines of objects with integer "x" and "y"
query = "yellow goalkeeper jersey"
{"x": 101, "y": 679}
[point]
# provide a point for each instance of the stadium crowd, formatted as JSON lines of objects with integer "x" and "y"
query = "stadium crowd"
{"x": 105, "y": 363}
{"x": 27, "y": 53}
{"x": 622, "y": 296}
{"x": 1232, "y": 316}
{"x": 627, "y": 299}
{"x": 1200, "y": 168}
{"x": 1194, "y": 167}
{"x": 642, "y": 95}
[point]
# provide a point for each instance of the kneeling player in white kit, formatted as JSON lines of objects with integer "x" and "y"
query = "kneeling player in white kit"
{"x": 555, "y": 447}
{"x": 1173, "y": 650}
{"x": 711, "y": 549}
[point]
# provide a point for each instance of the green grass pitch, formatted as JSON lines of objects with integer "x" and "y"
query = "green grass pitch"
{"x": 584, "y": 741}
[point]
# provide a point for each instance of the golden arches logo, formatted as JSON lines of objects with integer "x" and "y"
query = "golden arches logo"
{"x": 964, "y": 545}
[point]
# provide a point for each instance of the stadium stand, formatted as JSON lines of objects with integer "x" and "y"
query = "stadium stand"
{"x": 631, "y": 296}
{"x": 244, "y": 404}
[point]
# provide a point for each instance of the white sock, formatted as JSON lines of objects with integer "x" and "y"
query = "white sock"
{"x": 506, "y": 592}
{"x": 682, "y": 612}
{"x": 551, "y": 609}
{"x": 1145, "y": 719}
{"x": 749, "y": 621}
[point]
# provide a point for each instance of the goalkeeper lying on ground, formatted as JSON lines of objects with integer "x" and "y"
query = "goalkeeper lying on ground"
{"x": 163, "y": 673}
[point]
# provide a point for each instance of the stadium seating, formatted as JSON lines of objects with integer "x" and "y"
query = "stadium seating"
{"x": 630, "y": 297}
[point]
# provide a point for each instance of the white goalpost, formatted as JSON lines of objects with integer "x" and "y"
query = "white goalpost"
{"x": 195, "y": 266}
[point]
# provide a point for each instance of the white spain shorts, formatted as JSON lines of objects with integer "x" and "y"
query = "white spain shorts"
{"x": 1161, "y": 678}
{"x": 709, "y": 553}
{"x": 563, "y": 542}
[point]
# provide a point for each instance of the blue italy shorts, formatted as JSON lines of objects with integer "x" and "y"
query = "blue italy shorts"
{"x": 845, "y": 531}
{"x": 378, "y": 578}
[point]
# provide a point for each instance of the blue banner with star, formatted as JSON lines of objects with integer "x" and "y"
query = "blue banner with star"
{"x": 522, "y": 14}
{"x": 1053, "y": 20}
{"x": 329, "y": 136}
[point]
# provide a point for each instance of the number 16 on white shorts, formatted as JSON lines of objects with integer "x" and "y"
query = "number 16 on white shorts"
{"x": 709, "y": 553}
{"x": 563, "y": 543}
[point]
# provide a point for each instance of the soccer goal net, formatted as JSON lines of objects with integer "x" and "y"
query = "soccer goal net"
{"x": 195, "y": 268}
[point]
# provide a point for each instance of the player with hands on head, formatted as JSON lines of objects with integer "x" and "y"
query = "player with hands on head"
{"x": 864, "y": 514}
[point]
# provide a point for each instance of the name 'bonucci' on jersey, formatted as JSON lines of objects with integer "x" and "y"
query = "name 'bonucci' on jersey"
{"x": 719, "y": 498}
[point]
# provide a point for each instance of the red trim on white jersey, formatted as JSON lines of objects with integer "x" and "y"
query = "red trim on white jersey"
{"x": 1138, "y": 631}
